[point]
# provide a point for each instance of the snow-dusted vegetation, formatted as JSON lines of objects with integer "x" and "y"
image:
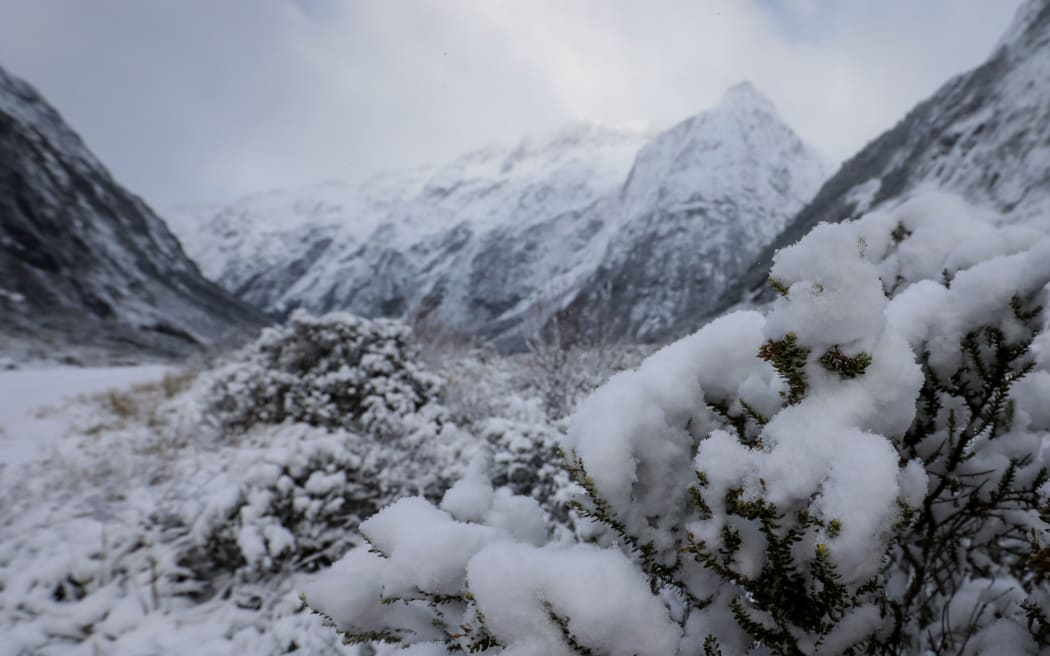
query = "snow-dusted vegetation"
{"x": 182, "y": 515}
{"x": 337, "y": 371}
{"x": 861, "y": 469}
{"x": 637, "y": 392}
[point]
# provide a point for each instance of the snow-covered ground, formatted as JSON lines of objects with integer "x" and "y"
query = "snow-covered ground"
{"x": 134, "y": 520}
{"x": 29, "y": 400}
{"x": 102, "y": 471}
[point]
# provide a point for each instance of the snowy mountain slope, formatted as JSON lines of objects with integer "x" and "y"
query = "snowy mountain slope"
{"x": 985, "y": 135}
{"x": 82, "y": 261}
{"x": 501, "y": 239}
{"x": 701, "y": 201}
{"x": 455, "y": 245}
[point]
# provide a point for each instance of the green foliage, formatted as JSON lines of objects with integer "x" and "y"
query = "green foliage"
{"x": 563, "y": 626}
{"x": 744, "y": 421}
{"x": 711, "y": 646}
{"x": 900, "y": 233}
{"x": 599, "y": 510}
{"x": 788, "y": 357}
{"x": 473, "y": 638}
{"x": 778, "y": 286}
{"x": 784, "y": 599}
{"x": 388, "y": 636}
{"x": 845, "y": 366}
{"x": 470, "y": 636}
{"x": 698, "y": 498}
{"x": 1038, "y": 623}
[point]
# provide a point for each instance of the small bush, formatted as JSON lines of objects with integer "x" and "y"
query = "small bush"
{"x": 527, "y": 460}
{"x": 288, "y": 506}
{"x": 336, "y": 371}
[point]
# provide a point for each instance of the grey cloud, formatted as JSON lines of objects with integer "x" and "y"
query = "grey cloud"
{"x": 197, "y": 100}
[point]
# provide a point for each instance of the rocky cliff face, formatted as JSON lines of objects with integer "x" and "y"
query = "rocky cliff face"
{"x": 984, "y": 134}
{"x": 592, "y": 223}
{"x": 84, "y": 264}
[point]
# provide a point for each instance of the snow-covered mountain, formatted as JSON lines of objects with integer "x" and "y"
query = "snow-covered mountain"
{"x": 701, "y": 201}
{"x": 84, "y": 263}
{"x": 459, "y": 243}
{"x": 580, "y": 226}
{"x": 984, "y": 135}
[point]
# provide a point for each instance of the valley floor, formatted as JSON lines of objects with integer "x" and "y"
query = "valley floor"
{"x": 30, "y": 419}
{"x": 121, "y": 497}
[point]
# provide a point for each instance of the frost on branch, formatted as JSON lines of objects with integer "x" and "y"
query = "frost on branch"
{"x": 861, "y": 470}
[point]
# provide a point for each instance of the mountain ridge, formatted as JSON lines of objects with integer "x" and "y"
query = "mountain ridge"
{"x": 501, "y": 241}
{"x": 703, "y": 210}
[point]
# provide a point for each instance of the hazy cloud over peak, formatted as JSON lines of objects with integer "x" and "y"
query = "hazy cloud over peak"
{"x": 197, "y": 100}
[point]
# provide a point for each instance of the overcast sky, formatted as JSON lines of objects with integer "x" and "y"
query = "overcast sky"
{"x": 204, "y": 100}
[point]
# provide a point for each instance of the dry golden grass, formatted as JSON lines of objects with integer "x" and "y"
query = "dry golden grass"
{"x": 141, "y": 402}
{"x": 122, "y": 404}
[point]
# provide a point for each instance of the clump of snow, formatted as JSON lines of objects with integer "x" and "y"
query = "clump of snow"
{"x": 637, "y": 434}
{"x": 412, "y": 587}
{"x": 533, "y": 597}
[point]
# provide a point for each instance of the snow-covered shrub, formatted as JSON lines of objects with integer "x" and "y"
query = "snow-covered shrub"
{"x": 286, "y": 499}
{"x": 287, "y": 506}
{"x": 862, "y": 470}
{"x": 338, "y": 371}
{"x": 526, "y": 458}
{"x": 479, "y": 384}
{"x": 106, "y": 586}
{"x": 104, "y": 545}
{"x": 338, "y": 419}
{"x": 494, "y": 398}
{"x": 151, "y": 516}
